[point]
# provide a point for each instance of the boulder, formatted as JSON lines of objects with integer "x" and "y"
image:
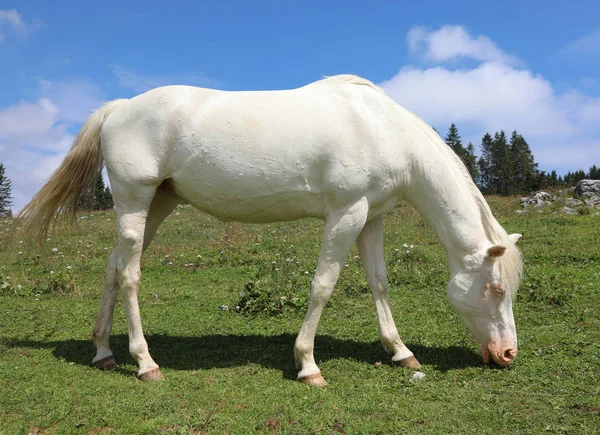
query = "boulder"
{"x": 572, "y": 202}
{"x": 542, "y": 196}
{"x": 593, "y": 201}
{"x": 568, "y": 210}
{"x": 587, "y": 187}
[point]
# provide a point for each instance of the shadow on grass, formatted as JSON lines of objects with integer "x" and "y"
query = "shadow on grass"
{"x": 270, "y": 351}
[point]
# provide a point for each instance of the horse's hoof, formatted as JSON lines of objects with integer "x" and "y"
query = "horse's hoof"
{"x": 152, "y": 375}
{"x": 107, "y": 363}
{"x": 410, "y": 362}
{"x": 316, "y": 380}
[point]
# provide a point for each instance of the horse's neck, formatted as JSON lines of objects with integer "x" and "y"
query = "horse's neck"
{"x": 444, "y": 199}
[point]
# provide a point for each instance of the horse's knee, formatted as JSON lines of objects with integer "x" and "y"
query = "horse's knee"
{"x": 321, "y": 291}
{"x": 131, "y": 238}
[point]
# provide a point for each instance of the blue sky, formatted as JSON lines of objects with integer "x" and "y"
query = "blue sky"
{"x": 530, "y": 66}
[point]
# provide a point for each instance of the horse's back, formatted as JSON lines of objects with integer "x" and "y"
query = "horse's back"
{"x": 255, "y": 155}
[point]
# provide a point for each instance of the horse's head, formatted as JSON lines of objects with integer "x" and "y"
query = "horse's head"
{"x": 482, "y": 292}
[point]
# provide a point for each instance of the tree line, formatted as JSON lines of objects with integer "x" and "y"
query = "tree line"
{"x": 508, "y": 167}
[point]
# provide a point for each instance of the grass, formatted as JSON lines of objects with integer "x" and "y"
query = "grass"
{"x": 233, "y": 372}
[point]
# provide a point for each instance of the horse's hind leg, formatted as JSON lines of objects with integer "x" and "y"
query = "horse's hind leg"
{"x": 370, "y": 247}
{"x": 162, "y": 205}
{"x": 104, "y": 358}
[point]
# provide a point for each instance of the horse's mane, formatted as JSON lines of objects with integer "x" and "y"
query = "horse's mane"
{"x": 511, "y": 262}
{"x": 347, "y": 79}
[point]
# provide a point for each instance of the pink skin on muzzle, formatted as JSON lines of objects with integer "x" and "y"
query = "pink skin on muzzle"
{"x": 502, "y": 355}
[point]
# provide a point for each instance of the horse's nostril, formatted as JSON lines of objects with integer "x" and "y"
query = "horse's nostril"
{"x": 509, "y": 354}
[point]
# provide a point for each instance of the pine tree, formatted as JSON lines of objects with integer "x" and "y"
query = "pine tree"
{"x": 97, "y": 197}
{"x": 501, "y": 168}
{"x": 471, "y": 162}
{"x": 522, "y": 177}
{"x": 467, "y": 155}
{"x": 485, "y": 163}
{"x": 454, "y": 141}
{"x": 5, "y": 193}
{"x": 102, "y": 196}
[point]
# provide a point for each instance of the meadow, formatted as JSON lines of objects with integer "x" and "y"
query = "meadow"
{"x": 222, "y": 303}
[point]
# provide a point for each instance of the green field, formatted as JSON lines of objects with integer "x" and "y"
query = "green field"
{"x": 233, "y": 372}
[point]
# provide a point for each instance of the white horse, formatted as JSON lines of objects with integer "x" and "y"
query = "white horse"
{"x": 337, "y": 149}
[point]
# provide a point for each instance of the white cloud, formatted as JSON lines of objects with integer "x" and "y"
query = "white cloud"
{"x": 496, "y": 95}
{"x": 11, "y": 21}
{"x": 141, "y": 82}
{"x": 451, "y": 43}
{"x": 34, "y": 136}
{"x": 586, "y": 45}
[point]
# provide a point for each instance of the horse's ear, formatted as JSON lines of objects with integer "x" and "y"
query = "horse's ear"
{"x": 496, "y": 251}
{"x": 514, "y": 237}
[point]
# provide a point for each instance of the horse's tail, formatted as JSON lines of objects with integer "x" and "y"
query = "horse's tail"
{"x": 79, "y": 171}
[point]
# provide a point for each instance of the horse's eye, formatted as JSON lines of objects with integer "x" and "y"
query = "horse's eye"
{"x": 498, "y": 288}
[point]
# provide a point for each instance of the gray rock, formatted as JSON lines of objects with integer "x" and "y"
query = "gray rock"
{"x": 593, "y": 201}
{"x": 587, "y": 187}
{"x": 416, "y": 377}
{"x": 572, "y": 202}
{"x": 568, "y": 210}
{"x": 542, "y": 196}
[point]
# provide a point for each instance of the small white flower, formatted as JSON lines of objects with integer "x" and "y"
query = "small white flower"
{"x": 273, "y": 262}
{"x": 412, "y": 246}
{"x": 69, "y": 267}
{"x": 199, "y": 256}
{"x": 20, "y": 241}
{"x": 51, "y": 272}
{"x": 306, "y": 273}
{"x": 170, "y": 263}
{"x": 276, "y": 268}
{"x": 20, "y": 253}
{"x": 19, "y": 286}
{"x": 54, "y": 249}
{"x": 405, "y": 245}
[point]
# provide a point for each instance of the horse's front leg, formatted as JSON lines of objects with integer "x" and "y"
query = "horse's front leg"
{"x": 370, "y": 247}
{"x": 341, "y": 229}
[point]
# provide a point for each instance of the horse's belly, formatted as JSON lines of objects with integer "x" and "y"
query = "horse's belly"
{"x": 238, "y": 198}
